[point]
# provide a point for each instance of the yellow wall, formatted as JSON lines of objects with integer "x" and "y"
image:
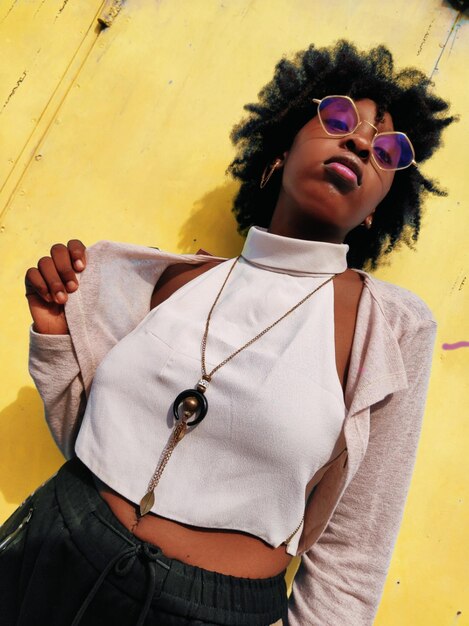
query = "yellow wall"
{"x": 122, "y": 134}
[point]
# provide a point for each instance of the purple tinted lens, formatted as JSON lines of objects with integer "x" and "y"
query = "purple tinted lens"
{"x": 393, "y": 151}
{"x": 338, "y": 115}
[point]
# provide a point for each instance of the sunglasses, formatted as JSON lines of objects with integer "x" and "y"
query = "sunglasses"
{"x": 339, "y": 117}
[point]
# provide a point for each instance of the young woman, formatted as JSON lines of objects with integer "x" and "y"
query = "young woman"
{"x": 221, "y": 416}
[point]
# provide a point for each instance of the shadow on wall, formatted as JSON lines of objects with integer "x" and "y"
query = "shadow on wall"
{"x": 212, "y": 225}
{"x": 28, "y": 452}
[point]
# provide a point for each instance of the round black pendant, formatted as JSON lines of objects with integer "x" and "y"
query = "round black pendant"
{"x": 201, "y": 409}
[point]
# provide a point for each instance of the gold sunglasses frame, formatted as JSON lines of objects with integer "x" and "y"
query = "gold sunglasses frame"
{"x": 378, "y": 134}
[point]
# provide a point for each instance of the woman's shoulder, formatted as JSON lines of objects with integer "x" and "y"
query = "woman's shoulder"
{"x": 112, "y": 266}
{"x": 132, "y": 251}
{"x": 107, "y": 256}
{"x": 397, "y": 301}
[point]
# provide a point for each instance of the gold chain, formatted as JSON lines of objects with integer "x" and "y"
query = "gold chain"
{"x": 148, "y": 499}
{"x": 177, "y": 435}
{"x": 208, "y": 377}
{"x": 290, "y": 537}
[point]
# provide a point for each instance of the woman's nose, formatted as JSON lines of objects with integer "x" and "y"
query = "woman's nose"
{"x": 359, "y": 145}
{"x": 359, "y": 142}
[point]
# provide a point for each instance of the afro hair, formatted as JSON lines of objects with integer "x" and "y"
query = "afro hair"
{"x": 285, "y": 106}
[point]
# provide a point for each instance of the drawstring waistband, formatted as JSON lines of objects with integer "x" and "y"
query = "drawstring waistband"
{"x": 122, "y": 564}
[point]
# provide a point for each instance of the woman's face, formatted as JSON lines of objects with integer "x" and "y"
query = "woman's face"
{"x": 320, "y": 198}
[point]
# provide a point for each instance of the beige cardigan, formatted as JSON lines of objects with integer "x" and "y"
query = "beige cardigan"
{"x": 354, "y": 511}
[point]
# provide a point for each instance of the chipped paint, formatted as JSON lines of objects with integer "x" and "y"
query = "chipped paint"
{"x": 9, "y": 11}
{"x": 18, "y": 83}
{"x": 39, "y": 8}
{"x": 455, "y": 35}
{"x": 61, "y": 8}
{"x": 456, "y": 618}
{"x": 443, "y": 46}
{"x": 110, "y": 12}
{"x": 455, "y": 282}
{"x": 422, "y": 43}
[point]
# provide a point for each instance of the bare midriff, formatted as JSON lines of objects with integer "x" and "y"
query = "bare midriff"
{"x": 224, "y": 551}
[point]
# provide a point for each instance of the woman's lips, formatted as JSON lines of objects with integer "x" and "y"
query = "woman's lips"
{"x": 343, "y": 173}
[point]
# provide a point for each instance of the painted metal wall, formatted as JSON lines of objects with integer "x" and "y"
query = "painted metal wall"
{"x": 122, "y": 133}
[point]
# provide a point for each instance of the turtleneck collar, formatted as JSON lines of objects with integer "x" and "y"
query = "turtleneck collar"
{"x": 299, "y": 257}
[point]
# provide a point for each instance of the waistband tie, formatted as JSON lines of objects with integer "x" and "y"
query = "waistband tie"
{"x": 122, "y": 564}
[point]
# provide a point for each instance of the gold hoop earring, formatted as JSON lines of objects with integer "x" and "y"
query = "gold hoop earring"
{"x": 367, "y": 222}
{"x": 266, "y": 177}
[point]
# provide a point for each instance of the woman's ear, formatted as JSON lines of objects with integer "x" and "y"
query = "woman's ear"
{"x": 270, "y": 169}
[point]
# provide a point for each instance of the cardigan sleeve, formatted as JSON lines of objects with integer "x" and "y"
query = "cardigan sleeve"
{"x": 54, "y": 368}
{"x": 341, "y": 577}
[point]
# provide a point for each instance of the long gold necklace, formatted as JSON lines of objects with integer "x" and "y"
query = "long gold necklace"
{"x": 192, "y": 402}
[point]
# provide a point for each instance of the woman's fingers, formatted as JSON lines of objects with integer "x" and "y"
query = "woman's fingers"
{"x": 36, "y": 285}
{"x": 61, "y": 275}
{"x": 55, "y": 275}
{"x": 77, "y": 252}
{"x": 50, "y": 275}
{"x": 62, "y": 258}
{"x": 48, "y": 316}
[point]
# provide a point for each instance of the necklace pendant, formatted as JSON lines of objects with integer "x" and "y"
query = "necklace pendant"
{"x": 191, "y": 402}
{"x": 146, "y": 503}
{"x": 202, "y": 385}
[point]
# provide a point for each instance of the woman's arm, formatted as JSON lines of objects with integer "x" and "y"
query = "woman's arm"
{"x": 341, "y": 577}
{"x": 54, "y": 369}
{"x": 52, "y": 363}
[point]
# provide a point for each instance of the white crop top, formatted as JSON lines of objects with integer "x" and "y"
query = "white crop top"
{"x": 277, "y": 407}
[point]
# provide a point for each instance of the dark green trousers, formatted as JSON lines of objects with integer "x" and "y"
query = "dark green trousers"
{"x": 65, "y": 559}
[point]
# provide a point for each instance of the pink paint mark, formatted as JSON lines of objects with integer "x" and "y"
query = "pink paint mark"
{"x": 453, "y": 346}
